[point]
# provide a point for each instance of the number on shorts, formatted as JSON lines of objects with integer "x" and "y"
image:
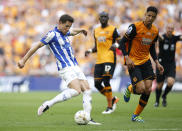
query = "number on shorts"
{"x": 107, "y": 68}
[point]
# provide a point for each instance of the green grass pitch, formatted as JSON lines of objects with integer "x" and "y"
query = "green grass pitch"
{"x": 18, "y": 112}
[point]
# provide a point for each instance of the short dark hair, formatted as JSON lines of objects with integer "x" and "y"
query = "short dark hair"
{"x": 103, "y": 13}
{"x": 153, "y": 9}
{"x": 65, "y": 18}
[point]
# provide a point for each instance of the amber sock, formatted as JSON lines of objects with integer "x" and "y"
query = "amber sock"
{"x": 142, "y": 103}
{"x": 108, "y": 94}
{"x": 139, "y": 108}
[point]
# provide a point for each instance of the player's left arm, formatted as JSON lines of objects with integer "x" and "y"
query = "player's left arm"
{"x": 116, "y": 35}
{"x": 94, "y": 49}
{"x": 74, "y": 32}
{"x": 154, "y": 56}
{"x": 180, "y": 37}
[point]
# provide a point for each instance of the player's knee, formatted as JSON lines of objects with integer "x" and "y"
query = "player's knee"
{"x": 98, "y": 85}
{"x": 75, "y": 84}
{"x": 148, "y": 91}
{"x": 170, "y": 83}
{"x": 88, "y": 92}
{"x": 140, "y": 89}
{"x": 84, "y": 85}
{"x": 78, "y": 90}
{"x": 159, "y": 85}
{"x": 106, "y": 83}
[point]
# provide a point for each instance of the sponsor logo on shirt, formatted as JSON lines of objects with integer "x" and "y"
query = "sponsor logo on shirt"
{"x": 146, "y": 41}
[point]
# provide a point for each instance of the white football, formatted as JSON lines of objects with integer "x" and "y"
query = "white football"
{"x": 81, "y": 117}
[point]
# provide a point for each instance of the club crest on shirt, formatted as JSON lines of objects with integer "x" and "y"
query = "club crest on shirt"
{"x": 134, "y": 79}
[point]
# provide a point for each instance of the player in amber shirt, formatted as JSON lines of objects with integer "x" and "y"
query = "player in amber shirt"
{"x": 137, "y": 45}
{"x": 105, "y": 35}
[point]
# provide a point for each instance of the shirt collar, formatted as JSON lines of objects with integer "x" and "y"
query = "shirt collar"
{"x": 56, "y": 29}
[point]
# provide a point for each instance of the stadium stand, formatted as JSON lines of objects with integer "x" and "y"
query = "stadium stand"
{"x": 23, "y": 22}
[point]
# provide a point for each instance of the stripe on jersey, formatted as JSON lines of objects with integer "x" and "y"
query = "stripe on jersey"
{"x": 62, "y": 60}
{"x": 49, "y": 37}
{"x": 66, "y": 54}
{"x": 57, "y": 60}
{"x": 72, "y": 56}
{"x": 58, "y": 57}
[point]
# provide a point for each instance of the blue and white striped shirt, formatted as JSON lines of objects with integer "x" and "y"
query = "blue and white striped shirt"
{"x": 60, "y": 46}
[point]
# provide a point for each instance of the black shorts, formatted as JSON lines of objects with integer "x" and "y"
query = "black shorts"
{"x": 142, "y": 72}
{"x": 105, "y": 69}
{"x": 169, "y": 71}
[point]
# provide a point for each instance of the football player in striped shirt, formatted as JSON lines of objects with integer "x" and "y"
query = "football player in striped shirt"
{"x": 58, "y": 41}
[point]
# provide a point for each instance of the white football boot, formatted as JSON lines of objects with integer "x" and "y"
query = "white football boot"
{"x": 44, "y": 107}
{"x": 92, "y": 122}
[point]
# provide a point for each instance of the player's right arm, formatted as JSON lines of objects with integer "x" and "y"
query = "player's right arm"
{"x": 32, "y": 50}
{"x": 129, "y": 35}
{"x": 44, "y": 41}
{"x": 122, "y": 46}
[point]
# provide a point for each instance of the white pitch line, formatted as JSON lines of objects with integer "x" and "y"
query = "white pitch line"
{"x": 174, "y": 129}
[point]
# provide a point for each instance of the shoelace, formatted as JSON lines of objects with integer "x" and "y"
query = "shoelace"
{"x": 127, "y": 93}
{"x": 138, "y": 118}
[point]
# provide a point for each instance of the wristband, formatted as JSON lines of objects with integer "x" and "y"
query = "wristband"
{"x": 90, "y": 50}
{"x": 116, "y": 44}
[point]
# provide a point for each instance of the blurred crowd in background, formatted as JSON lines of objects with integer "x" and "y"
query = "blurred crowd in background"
{"x": 24, "y": 22}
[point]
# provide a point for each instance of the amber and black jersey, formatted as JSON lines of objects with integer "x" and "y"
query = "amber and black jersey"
{"x": 104, "y": 38}
{"x": 167, "y": 48}
{"x": 140, "y": 40}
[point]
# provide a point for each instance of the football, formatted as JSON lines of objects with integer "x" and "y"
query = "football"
{"x": 81, "y": 117}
